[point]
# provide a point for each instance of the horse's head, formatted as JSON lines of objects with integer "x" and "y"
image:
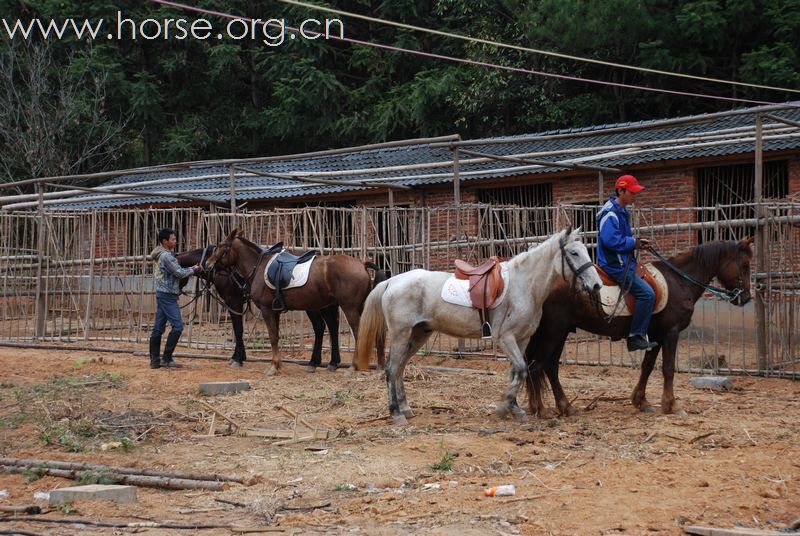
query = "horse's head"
{"x": 576, "y": 264}
{"x": 224, "y": 255}
{"x": 734, "y": 271}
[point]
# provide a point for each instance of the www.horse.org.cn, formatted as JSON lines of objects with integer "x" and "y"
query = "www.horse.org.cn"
{"x": 271, "y": 32}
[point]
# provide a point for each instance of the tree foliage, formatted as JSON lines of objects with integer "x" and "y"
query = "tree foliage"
{"x": 171, "y": 100}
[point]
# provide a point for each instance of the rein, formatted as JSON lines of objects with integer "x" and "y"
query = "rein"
{"x": 728, "y": 295}
{"x": 242, "y": 282}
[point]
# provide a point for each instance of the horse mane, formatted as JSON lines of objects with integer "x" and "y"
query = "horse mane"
{"x": 249, "y": 243}
{"x": 550, "y": 243}
{"x": 708, "y": 255}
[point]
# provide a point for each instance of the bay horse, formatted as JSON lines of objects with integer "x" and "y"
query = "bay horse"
{"x": 333, "y": 281}
{"x": 228, "y": 289}
{"x": 687, "y": 275}
{"x": 411, "y": 307}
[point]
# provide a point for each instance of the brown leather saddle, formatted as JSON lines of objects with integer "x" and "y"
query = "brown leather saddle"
{"x": 485, "y": 286}
{"x": 630, "y": 300}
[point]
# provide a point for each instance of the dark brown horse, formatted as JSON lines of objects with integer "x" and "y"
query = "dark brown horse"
{"x": 333, "y": 280}
{"x": 229, "y": 293}
{"x": 688, "y": 276}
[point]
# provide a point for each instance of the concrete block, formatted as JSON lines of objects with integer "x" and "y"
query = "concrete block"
{"x": 715, "y": 383}
{"x": 112, "y": 492}
{"x": 216, "y": 388}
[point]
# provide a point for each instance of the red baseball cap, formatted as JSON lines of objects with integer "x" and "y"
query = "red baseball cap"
{"x": 629, "y": 182}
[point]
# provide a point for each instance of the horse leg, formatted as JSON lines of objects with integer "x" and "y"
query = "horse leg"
{"x": 639, "y": 398}
{"x": 271, "y": 318}
{"x": 551, "y": 369}
{"x": 670, "y": 345}
{"x": 239, "y": 354}
{"x": 319, "y": 329}
{"x": 404, "y": 344}
{"x": 517, "y": 376}
{"x": 331, "y": 317}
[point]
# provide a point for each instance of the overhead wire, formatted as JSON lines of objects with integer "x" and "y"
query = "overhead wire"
{"x": 529, "y": 49}
{"x": 468, "y": 61}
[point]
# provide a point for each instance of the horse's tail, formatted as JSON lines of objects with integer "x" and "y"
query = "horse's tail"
{"x": 380, "y": 340}
{"x": 536, "y": 379}
{"x": 371, "y": 327}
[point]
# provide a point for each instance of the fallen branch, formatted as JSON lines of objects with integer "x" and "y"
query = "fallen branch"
{"x": 593, "y": 404}
{"x": 695, "y": 439}
{"x": 118, "y": 478}
{"x": 304, "y": 508}
{"x": 134, "y": 525}
{"x": 55, "y": 464}
{"x": 25, "y": 509}
{"x": 234, "y": 503}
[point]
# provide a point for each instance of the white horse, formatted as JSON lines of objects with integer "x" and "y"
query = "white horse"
{"x": 411, "y": 307}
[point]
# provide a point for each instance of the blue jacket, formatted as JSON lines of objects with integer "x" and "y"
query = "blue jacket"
{"x": 615, "y": 243}
{"x": 168, "y": 273}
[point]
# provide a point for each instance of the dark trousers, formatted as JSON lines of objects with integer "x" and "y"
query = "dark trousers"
{"x": 167, "y": 310}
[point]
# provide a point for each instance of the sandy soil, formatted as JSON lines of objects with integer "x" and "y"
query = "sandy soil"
{"x": 732, "y": 461}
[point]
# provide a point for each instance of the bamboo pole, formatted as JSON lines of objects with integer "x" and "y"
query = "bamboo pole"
{"x": 119, "y": 478}
{"x": 761, "y": 236}
{"x": 41, "y": 307}
{"x": 80, "y": 466}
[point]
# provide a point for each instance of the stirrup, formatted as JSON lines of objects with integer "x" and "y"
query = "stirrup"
{"x": 486, "y": 330}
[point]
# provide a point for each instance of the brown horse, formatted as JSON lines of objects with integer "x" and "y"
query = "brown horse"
{"x": 228, "y": 289}
{"x": 333, "y": 280}
{"x": 688, "y": 276}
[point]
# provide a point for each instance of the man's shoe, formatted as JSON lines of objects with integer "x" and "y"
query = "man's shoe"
{"x": 155, "y": 363}
{"x": 637, "y": 342}
{"x": 171, "y": 364}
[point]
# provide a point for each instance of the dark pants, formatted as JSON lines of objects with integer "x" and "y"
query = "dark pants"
{"x": 645, "y": 298}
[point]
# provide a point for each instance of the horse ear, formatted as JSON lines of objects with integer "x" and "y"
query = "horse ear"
{"x": 568, "y": 230}
{"x": 239, "y": 232}
{"x": 746, "y": 242}
{"x": 232, "y": 235}
{"x": 577, "y": 231}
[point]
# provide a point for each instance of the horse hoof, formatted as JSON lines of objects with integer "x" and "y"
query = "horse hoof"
{"x": 408, "y": 413}
{"x": 399, "y": 420}
{"x": 332, "y": 367}
{"x": 235, "y": 364}
{"x": 311, "y": 369}
{"x": 648, "y": 409}
{"x": 271, "y": 371}
{"x": 681, "y": 413}
{"x": 520, "y": 415}
{"x": 501, "y": 411}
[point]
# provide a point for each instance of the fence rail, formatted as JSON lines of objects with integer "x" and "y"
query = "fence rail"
{"x": 85, "y": 276}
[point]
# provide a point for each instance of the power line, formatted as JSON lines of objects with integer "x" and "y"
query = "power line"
{"x": 468, "y": 61}
{"x": 527, "y": 49}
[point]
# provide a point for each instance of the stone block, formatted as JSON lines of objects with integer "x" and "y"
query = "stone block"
{"x": 216, "y": 388}
{"x": 715, "y": 383}
{"x": 112, "y": 492}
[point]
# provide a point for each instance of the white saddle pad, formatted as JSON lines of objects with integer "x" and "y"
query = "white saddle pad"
{"x": 299, "y": 274}
{"x": 456, "y": 291}
{"x": 613, "y": 305}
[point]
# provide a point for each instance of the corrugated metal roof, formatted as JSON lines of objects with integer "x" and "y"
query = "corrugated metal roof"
{"x": 716, "y": 137}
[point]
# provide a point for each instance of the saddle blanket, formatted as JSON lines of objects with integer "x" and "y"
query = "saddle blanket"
{"x": 614, "y": 305}
{"x": 299, "y": 273}
{"x": 456, "y": 291}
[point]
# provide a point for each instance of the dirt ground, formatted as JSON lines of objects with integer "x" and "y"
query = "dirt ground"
{"x": 732, "y": 461}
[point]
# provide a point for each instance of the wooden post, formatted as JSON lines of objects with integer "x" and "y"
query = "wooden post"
{"x": 232, "y": 174}
{"x": 457, "y": 199}
{"x": 90, "y": 292}
{"x": 761, "y": 264}
{"x": 600, "y": 191}
{"x": 41, "y": 242}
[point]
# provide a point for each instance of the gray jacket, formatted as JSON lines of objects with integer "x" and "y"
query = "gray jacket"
{"x": 168, "y": 272}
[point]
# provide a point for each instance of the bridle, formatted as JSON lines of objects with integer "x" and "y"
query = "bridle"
{"x": 725, "y": 294}
{"x": 242, "y": 282}
{"x": 562, "y": 243}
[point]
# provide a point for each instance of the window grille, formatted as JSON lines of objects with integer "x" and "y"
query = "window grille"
{"x": 733, "y": 189}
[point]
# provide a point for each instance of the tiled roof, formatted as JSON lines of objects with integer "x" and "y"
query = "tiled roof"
{"x": 621, "y": 145}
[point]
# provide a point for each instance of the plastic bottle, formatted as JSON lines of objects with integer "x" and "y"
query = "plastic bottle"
{"x": 499, "y": 491}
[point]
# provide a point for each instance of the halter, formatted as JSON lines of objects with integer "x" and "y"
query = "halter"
{"x": 562, "y": 242}
{"x": 728, "y": 295}
{"x": 242, "y": 282}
